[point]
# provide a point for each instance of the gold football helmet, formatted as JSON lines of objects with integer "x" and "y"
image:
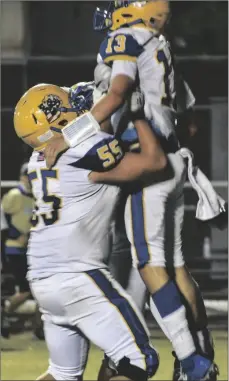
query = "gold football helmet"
{"x": 41, "y": 113}
{"x": 152, "y": 13}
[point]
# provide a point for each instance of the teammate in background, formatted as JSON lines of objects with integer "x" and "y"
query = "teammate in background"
{"x": 17, "y": 205}
{"x": 5, "y": 331}
{"x": 70, "y": 240}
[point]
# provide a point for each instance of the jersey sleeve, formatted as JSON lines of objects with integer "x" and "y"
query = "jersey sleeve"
{"x": 99, "y": 153}
{"x": 120, "y": 47}
{"x": 127, "y": 68}
{"x": 12, "y": 202}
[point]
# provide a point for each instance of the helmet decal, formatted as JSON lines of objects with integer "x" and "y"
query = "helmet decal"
{"x": 51, "y": 107}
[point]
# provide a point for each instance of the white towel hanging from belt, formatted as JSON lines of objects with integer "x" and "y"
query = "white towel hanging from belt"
{"x": 210, "y": 204}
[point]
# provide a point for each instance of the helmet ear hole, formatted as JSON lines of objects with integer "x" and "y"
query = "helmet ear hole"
{"x": 34, "y": 118}
{"x": 63, "y": 122}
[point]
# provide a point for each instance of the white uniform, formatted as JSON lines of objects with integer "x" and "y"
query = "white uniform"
{"x": 67, "y": 252}
{"x": 153, "y": 216}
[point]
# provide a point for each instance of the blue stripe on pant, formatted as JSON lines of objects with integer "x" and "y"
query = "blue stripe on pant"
{"x": 138, "y": 224}
{"x": 131, "y": 318}
{"x": 123, "y": 306}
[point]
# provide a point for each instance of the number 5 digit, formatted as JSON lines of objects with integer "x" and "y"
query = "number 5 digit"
{"x": 106, "y": 156}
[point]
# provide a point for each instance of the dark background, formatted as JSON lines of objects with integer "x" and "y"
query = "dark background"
{"x": 60, "y": 47}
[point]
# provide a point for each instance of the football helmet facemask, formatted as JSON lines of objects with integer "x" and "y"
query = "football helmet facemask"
{"x": 81, "y": 96}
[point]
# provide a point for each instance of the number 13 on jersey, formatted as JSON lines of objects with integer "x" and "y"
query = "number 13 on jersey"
{"x": 116, "y": 44}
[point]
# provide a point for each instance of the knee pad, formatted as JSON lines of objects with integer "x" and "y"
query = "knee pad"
{"x": 125, "y": 368}
{"x": 63, "y": 374}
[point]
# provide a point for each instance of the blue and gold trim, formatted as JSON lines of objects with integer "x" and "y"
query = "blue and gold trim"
{"x": 104, "y": 155}
{"x": 139, "y": 228}
{"x": 120, "y": 47}
{"x": 119, "y": 57}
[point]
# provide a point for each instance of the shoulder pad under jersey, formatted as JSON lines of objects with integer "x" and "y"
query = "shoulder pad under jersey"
{"x": 102, "y": 156}
{"x": 120, "y": 47}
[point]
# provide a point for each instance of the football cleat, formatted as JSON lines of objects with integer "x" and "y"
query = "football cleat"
{"x": 204, "y": 370}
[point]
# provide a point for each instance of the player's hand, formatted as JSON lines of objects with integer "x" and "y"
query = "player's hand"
{"x": 136, "y": 101}
{"x": 54, "y": 149}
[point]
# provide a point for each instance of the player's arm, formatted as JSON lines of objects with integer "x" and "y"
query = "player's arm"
{"x": 120, "y": 51}
{"x": 136, "y": 166}
{"x": 12, "y": 202}
{"x": 118, "y": 92}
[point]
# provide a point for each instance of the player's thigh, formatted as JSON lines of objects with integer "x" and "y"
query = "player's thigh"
{"x": 111, "y": 320}
{"x": 68, "y": 351}
{"x": 96, "y": 305}
{"x": 154, "y": 218}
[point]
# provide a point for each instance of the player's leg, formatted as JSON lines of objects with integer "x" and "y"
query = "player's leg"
{"x": 68, "y": 351}
{"x": 67, "y": 346}
{"x": 136, "y": 288}
{"x": 151, "y": 231}
{"x": 151, "y": 262}
{"x": 95, "y": 305}
{"x": 110, "y": 320}
{"x": 120, "y": 263}
{"x": 198, "y": 321}
{"x": 192, "y": 294}
{"x": 192, "y": 297}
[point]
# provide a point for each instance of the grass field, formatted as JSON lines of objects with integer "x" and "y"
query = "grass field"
{"x": 24, "y": 359}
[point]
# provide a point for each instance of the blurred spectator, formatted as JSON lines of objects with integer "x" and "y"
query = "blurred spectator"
{"x": 4, "y": 228}
{"x": 17, "y": 206}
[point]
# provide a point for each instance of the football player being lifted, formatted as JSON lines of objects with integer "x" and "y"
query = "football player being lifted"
{"x": 137, "y": 51}
{"x": 70, "y": 238}
{"x": 139, "y": 54}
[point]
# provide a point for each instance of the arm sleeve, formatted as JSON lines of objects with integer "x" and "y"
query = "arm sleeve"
{"x": 12, "y": 202}
{"x": 127, "y": 68}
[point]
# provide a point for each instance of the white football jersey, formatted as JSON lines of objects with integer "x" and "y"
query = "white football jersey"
{"x": 146, "y": 58}
{"x": 71, "y": 223}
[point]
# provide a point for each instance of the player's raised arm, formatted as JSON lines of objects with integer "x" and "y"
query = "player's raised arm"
{"x": 137, "y": 166}
{"x": 118, "y": 92}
